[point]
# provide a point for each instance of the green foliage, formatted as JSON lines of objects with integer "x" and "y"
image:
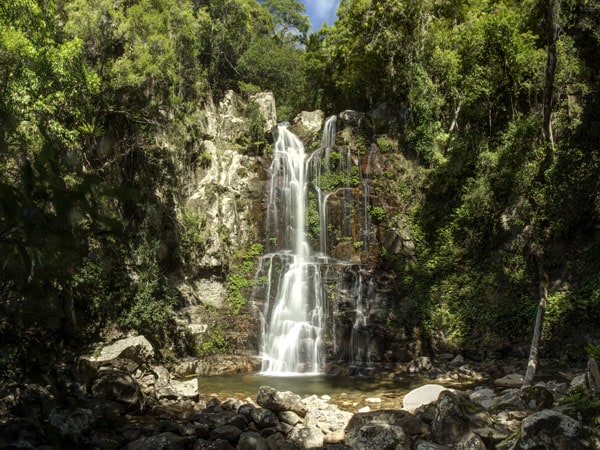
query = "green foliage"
{"x": 150, "y": 308}
{"x": 330, "y": 181}
{"x": 216, "y": 343}
{"x": 377, "y": 213}
{"x": 240, "y": 277}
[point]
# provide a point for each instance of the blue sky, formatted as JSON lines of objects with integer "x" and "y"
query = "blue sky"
{"x": 321, "y": 11}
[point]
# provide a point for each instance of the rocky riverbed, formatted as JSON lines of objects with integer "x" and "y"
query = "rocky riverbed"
{"x": 117, "y": 399}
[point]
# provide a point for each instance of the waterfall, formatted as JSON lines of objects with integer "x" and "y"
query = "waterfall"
{"x": 291, "y": 341}
{"x": 295, "y": 312}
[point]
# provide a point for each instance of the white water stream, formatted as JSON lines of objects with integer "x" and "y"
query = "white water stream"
{"x": 294, "y": 311}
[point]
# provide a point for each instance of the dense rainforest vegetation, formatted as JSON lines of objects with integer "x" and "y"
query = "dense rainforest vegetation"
{"x": 497, "y": 104}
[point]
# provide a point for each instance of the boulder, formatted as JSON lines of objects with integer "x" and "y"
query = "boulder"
{"x": 264, "y": 418}
{"x": 307, "y": 437}
{"x": 116, "y": 386}
{"x": 289, "y": 417}
{"x": 455, "y": 416}
{"x": 362, "y": 434}
{"x": 277, "y": 401}
{"x": 551, "y": 429}
{"x": 127, "y": 354}
{"x": 484, "y": 397}
{"x": 186, "y": 388}
{"x": 351, "y": 118}
{"x": 250, "y": 440}
{"x": 229, "y": 433}
{"x": 421, "y": 396}
{"x": 310, "y": 122}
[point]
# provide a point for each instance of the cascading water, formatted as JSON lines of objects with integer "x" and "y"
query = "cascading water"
{"x": 294, "y": 313}
{"x": 291, "y": 341}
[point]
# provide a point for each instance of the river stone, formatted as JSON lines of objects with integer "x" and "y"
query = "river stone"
{"x": 251, "y": 440}
{"x": 72, "y": 422}
{"x": 424, "y": 445}
{"x": 307, "y": 437}
{"x": 289, "y": 417}
{"x": 393, "y": 417}
{"x": 205, "y": 444}
{"x": 369, "y": 435}
{"x": 483, "y": 397}
{"x": 162, "y": 441}
{"x": 551, "y": 429}
{"x": 470, "y": 441}
{"x": 229, "y": 433}
{"x": 239, "y": 420}
{"x": 421, "y": 396}
{"x": 511, "y": 380}
{"x": 185, "y": 389}
{"x": 264, "y": 418}
{"x": 277, "y": 401}
{"x": 246, "y": 410}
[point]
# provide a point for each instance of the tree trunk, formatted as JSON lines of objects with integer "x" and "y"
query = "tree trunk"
{"x": 552, "y": 17}
{"x": 537, "y": 330}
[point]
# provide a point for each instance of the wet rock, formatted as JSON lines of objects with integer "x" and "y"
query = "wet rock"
{"x": 204, "y": 444}
{"x": 229, "y": 433}
{"x": 264, "y": 418}
{"x": 246, "y": 411}
{"x": 421, "y": 396}
{"x": 277, "y": 401}
{"x": 251, "y": 440}
{"x": 162, "y": 441}
{"x": 239, "y": 420}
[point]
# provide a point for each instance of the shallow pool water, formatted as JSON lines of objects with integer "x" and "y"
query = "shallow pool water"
{"x": 350, "y": 393}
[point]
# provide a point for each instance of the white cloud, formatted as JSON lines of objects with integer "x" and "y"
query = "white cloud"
{"x": 321, "y": 11}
